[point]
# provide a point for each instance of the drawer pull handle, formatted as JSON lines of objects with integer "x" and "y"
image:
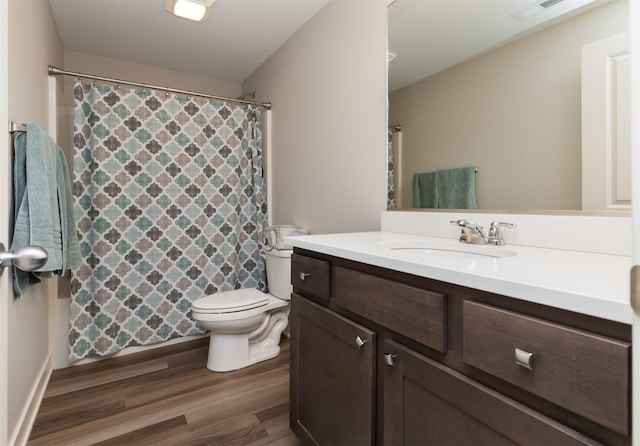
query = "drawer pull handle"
{"x": 360, "y": 342}
{"x": 524, "y": 359}
{"x": 389, "y": 359}
{"x": 304, "y": 275}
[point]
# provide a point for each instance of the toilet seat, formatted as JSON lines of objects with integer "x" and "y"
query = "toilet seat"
{"x": 231, "y": 301}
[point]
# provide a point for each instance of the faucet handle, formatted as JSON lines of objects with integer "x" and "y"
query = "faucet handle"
{"x": 467, "y": 224}
{"x": 471, "y": 232}
{"x": 495, "y": 234}
{"x": 462, "y": 223}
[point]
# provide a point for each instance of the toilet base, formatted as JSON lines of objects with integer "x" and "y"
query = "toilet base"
{"x": 229, "y": 352}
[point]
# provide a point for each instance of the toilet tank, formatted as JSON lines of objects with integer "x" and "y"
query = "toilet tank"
{"x": 279, "y": 272}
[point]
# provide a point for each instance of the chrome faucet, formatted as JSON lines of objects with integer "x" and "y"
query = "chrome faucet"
{"x": 474, "y": 234}
{"x": 471, "y": 232}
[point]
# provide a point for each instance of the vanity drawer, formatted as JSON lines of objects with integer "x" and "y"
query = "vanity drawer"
{"x": 412, "y": 312}
{"x": 312, "y": 276}
{"x": 586, "y": 373}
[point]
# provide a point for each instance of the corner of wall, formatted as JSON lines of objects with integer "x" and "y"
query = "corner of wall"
{"x": 30, "y": 411}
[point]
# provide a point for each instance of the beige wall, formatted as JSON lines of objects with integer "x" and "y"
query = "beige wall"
{"x": 514, "y": 113}
{"x": 33, "y": 43}
{"x": 122, "y": 69}
{"x": 327, "y": 84}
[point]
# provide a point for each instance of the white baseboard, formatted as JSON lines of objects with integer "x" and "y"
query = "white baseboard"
{"x": 28, "y": 416}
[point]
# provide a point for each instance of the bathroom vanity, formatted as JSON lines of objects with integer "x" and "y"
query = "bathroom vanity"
{"x": 415, "y": 346}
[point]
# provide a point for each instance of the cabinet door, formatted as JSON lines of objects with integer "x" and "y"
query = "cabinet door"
{"x": 426, "y": 403}
{"x": 332, "y": 377}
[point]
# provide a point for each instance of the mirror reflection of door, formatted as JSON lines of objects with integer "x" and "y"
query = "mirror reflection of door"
{"x": 606, "y": 124}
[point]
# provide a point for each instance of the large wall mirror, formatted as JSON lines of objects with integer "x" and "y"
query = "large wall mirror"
{"x": 499, "y": 85}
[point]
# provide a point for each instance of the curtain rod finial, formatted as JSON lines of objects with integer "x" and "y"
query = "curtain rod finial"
{"x": 53, "y": 71}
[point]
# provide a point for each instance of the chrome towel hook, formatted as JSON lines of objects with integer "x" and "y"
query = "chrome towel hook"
{"x": 29, "y": 258}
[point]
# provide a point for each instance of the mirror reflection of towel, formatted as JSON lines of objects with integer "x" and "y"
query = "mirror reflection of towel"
{"x": 457, "y": 188}
{"x": 425, "y": 190}
{"x": 445, "y": 189}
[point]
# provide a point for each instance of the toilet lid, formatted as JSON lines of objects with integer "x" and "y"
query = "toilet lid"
{"x": 231, "y": 301}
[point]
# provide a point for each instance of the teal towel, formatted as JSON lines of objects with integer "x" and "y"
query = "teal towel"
{"x": 43, "y": 213}
{"x": 445, "y": 189}
{"x": 457, "y": 188}
{"x": 425, "y": 190}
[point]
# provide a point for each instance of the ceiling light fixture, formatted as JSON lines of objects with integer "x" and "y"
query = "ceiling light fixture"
{"x": 196, "y": 10}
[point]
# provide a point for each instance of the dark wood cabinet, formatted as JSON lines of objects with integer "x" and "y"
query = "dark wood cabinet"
{"x": 383, "y": 357}
{"x": 583, "y": 372}
{"x": 427, "y": 403}
{"x": 332, "y": 380}
{"x": 311, "y": 276}
{"x": 418, "y": 314}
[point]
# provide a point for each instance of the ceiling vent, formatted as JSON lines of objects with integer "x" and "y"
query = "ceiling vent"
{"x": 534, "y": 9}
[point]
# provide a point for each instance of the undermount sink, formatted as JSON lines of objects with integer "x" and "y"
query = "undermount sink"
{"x": 449, "y": 248}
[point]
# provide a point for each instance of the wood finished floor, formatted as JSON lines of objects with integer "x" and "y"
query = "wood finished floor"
{"x": 167, "y": 396}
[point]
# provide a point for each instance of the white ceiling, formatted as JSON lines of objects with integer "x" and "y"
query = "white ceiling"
{"x": 429, "y": 36}
{"x": 236, "y": 39}
{"x": 239, "y": 35}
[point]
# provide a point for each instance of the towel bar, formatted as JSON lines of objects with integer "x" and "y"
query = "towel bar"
{"x": 13, "y": 127}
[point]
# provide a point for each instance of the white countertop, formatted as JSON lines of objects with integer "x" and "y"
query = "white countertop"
{"x": 588, "y": 283}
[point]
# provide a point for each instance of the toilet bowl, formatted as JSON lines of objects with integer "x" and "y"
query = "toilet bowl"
{"x": 246, "y": 325}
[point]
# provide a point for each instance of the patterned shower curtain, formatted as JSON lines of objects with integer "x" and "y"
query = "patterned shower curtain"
{"x": 169, "y": 202}
{"x": 391, "y": 193}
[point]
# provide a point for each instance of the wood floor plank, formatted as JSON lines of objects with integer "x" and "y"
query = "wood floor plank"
{"x": 181, "y": 403}
{"x": 155, "y": 389}
{"x": 66, "y": 411}
{"x": 104, "y": 376}
{"x": 125, "y": 360}
{"x": 130, "y": 420}
{"x": 265, "y": 416}
{"x": 172, "y": 432}
{"x": 281, "y": 438}
{"x": 236, "y": 431}
{"x": 275, "y": 419}
{"x": 254, "y": 396}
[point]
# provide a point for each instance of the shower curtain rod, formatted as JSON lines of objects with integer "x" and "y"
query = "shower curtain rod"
{"x": 54, "y": 71}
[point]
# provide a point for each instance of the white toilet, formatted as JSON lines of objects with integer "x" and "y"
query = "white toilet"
{"x": 246, "y": 324}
